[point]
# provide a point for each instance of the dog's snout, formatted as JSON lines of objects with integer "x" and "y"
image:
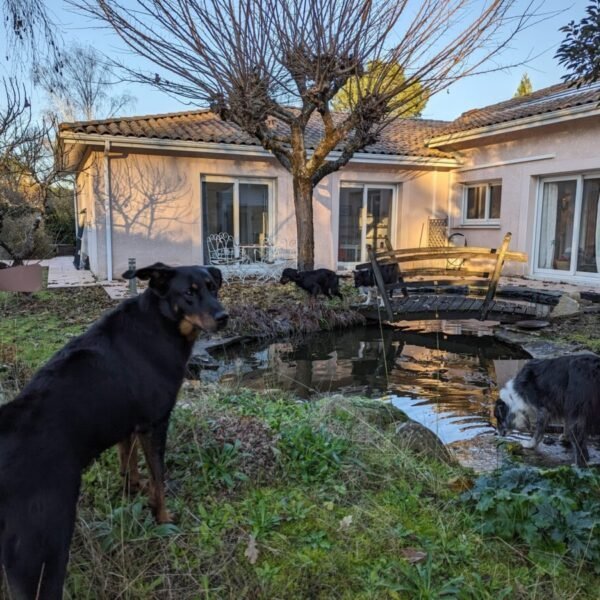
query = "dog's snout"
{"x": 221, "y": 318}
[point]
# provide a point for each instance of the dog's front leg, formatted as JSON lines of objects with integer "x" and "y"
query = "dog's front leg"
{"x": 540, "y": 429}
{"x": 129, "y": 464}
{"x": 153, "y": 442}
{"x": 577, "y": 434}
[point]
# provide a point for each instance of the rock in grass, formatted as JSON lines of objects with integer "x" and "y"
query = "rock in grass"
{"x": 378, "y": 413}
{"x": 416, "y": 438}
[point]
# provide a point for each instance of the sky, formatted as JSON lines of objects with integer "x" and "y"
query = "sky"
{"x": 536, "y": 46}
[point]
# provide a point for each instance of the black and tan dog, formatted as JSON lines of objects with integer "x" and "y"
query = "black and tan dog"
{"x": 117, "y": 380}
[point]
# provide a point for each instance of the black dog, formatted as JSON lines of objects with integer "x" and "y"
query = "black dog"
{"x": 319, "y": 281}
{"x": 118, "y": 379}
{"x": 565, "y": 389}
{"x": 364, "y": 279}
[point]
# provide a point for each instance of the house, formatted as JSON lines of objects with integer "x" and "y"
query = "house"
{"x": 153, "y": 187}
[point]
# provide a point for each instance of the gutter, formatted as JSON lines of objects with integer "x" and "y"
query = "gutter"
{"x": 245, "y": 150}
{"x": 107, "y": 211}
{"x": 560, "y": 116}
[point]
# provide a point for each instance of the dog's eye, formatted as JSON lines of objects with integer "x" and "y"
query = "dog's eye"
{"x": 190, "y": 292}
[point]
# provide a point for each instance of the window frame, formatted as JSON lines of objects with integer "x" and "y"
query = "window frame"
{"x": 486, "y": 220}
{"x": 271, "y": 184}
{"x": 365, "y": 186}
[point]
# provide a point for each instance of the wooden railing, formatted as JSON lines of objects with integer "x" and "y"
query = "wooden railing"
{"x": 477, "y": 268}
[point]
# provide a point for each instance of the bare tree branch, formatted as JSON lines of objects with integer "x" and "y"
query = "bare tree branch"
{"x": 273, "y": 67}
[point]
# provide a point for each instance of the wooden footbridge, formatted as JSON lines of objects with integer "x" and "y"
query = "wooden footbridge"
{"x": 456, "y": 283}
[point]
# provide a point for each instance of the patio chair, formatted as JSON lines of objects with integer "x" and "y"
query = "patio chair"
{"x": 223, "y": 252}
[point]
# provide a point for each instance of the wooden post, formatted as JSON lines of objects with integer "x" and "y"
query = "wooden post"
{"x": 379, "y": 282}
{"x": 485, "y": 308}
{"x": 390, "y": 248}
{"x": 133, "y": 280}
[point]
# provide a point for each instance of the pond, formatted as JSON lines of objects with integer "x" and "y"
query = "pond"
{"x": 440, "y": 374}
{"x": 444, "y": 375}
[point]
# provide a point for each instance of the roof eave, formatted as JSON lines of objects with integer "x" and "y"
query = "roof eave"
{"x": 69, "y": 138}
{"x": 554, "y": 117}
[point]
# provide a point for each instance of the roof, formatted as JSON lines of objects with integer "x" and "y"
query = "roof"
{"x": 403, "y": 137}
{"x": 547, "y": 100}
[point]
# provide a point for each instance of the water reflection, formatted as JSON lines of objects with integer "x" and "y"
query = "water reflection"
{"x": 444, "y": 381}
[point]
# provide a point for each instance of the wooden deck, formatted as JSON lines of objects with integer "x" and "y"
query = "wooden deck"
{"x": 424, "y": 307}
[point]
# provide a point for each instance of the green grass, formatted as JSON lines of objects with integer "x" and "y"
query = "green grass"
{"x": 278, "y": 498}
{"x": 337, "y": 511}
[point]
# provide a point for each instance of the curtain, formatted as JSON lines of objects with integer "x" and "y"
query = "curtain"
{"x": 548, "y": 226}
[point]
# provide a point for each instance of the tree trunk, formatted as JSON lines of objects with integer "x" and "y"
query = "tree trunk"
{"x": 303, "y": 203}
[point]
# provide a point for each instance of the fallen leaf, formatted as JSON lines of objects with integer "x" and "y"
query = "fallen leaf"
{"x": 412, "y": 555}
{"x": 251, "y": 552}
{"x": 461, "y": 484}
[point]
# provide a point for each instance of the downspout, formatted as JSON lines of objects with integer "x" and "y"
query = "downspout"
{"x": 75, "y": 211}
{"x": 107, "y": 209}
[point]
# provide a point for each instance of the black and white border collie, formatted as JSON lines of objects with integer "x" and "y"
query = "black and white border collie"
{"x": 364, "y": 280}
{"x": 563, "y": 389}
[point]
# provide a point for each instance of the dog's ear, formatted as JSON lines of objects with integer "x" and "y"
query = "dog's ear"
{"x": 158, "y": 274}
{"x": 216, "y": 275}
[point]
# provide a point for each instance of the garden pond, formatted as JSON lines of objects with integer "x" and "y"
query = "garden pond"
{"x": 444, "y": 375}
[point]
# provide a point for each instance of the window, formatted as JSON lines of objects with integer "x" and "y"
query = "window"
{"x": 239, "y": 207}
{"x": 568, "y": 230}
{"x": 365, "y": 217}
{"x": 482, "y": 203}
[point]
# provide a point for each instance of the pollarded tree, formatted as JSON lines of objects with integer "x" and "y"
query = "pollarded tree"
{"x": 273, "y": 67}
{"x": 393, "y": 77}
{"x": 579, "y": 52}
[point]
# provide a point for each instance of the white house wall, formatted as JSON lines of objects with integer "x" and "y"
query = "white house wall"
{"x": 156, "y": 210}
{"x": 520, "y": 163}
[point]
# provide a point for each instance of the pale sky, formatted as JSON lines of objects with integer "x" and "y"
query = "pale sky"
{"x": 538, "y": 44}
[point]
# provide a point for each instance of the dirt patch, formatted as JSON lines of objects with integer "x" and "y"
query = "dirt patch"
{"x": 255, "y": 442}
{"x": 80, "y": 305}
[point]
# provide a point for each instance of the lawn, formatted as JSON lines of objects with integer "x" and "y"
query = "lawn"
{"x": 280, "y": 498}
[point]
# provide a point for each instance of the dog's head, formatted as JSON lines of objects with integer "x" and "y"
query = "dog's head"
{"x": 188, "y": 295}
{"x": 511, "y": 410}
{"x": 288, "y": 275}
{"x": 363, "y": 278}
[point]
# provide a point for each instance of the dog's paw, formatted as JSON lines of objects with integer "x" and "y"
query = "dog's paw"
{"x": 165, "y": 517}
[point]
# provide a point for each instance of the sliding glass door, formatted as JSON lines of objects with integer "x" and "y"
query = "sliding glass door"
{"x": 239, "y": 207}
{"x": 568, "y": 232}
{"x": 365, "y": 217}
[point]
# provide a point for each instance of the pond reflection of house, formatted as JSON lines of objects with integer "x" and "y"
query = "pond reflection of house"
{"x": 154, "y": 187}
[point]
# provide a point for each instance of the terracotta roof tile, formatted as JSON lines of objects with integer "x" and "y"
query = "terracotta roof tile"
{"x": 547, "y": 100}
{"x": 404, "y": 137}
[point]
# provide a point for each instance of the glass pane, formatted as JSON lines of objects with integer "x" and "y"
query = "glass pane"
{"x": 476, "y": 202}
{"x": 588, "y": 257}
{"x": 349, "y": 244}
{"x": 379, "y": 210}
{"x": 556, "y": 228}
{"x": 217, "y": 210}
{"x": 254, "y": 213}
{"x": 495, "y": 201}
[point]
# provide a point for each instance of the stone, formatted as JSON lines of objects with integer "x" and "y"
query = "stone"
{"x": 378, "y": 413}
{"x": 532, "y": 324}
{"x": 419, "y": 440}
{"x": 566, "y": 307}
